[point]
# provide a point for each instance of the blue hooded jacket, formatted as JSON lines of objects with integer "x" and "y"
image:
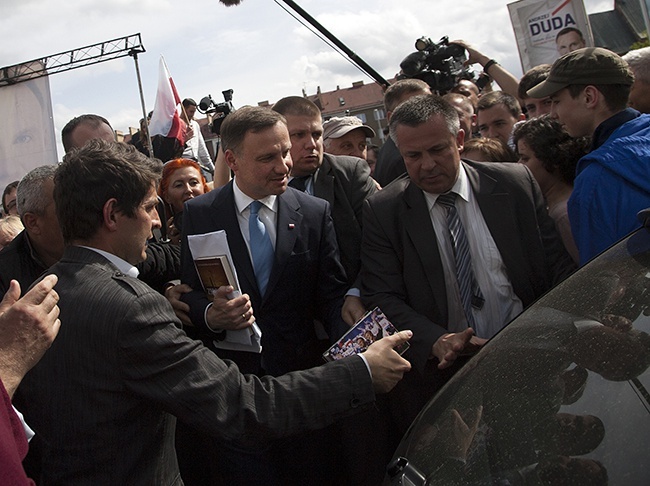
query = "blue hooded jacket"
{"x": 612, "y": 185}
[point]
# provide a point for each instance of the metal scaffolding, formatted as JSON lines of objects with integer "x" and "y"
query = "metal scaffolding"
{"x": 64, "y": 61}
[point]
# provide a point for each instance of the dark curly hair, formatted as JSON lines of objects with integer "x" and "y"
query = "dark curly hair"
{"x": 553, "y": 146}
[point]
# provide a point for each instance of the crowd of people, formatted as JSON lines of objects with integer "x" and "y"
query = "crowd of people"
{"x": 440, "y": 228}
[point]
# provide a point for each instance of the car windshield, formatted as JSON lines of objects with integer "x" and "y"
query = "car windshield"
{"x": 561, "y": 396}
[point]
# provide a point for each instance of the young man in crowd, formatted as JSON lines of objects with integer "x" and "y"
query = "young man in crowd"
{"x": 589, "y": 89}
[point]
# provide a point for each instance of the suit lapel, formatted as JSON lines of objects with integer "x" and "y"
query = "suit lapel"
{"x": 287, "y": 231}
{"x": 224, "y": 215}
{"x": 324, "y": 183}
{"x": 497, "y": 210}
{"x": 418, "y": 226}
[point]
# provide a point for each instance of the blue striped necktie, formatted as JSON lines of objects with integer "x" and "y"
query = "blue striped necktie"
{"x": 470, "y": 292}
{"x": 261, "y": 247}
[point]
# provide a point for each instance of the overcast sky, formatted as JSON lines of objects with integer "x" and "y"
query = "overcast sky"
{"x": 256, "y": 48}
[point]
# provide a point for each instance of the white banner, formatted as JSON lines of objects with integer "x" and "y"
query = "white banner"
{"x": 536, "y": 24}
{"x": 27, "y": 137}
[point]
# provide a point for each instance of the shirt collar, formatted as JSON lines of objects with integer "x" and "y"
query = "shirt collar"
{"x": 460, "y": 187}
{"x": 122, "y": 265}
{"x": 242, "y": 201}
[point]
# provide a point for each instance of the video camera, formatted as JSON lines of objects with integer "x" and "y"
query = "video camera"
{"x": 441, "y": 65}
{"x": 220, "y": 111}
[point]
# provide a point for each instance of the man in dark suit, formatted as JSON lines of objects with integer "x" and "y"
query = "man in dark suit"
{"x": 342, "y": 181}
{"x": 453, "y": 294}
{"x": 104, "y": 396}
{"x": 306, "y": 281}
{"x": 345, "y": 183}
{"x": 40, "y": 244}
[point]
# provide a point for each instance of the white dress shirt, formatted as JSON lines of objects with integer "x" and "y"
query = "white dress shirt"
{"x": 196, "y": 149}
{"x": 501, "y": 304}
{"x": 268, "y": 214}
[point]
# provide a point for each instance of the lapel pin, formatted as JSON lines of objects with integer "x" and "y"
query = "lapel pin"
{"x": 291, "y": 226}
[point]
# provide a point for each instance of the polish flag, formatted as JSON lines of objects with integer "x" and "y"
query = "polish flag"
{"x": 166, "y": 119}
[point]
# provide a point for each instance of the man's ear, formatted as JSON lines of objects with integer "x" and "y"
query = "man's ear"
{"x": 30, "y": 222}
{"x": 231, "y": 160}
{"x": 460, "y": 140}
{"x": 591, "y": 96}
{"x": 522, "y": 117}
{"x": 109, "y": 213}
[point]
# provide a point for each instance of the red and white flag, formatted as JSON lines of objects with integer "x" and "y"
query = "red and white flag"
{"x": 166, "y": 119}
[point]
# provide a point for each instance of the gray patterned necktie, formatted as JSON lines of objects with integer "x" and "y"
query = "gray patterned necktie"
{"x": 470, "y": 292}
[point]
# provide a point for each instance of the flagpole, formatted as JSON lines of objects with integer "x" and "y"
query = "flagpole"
{"x": 134, "y": 54}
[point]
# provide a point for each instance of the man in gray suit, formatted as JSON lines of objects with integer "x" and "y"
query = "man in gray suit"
{"x": 452, "y": 293}
{"x": 105, "y": 395}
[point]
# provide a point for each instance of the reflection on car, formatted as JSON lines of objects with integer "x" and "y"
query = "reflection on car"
{"x": 560, "y": 396}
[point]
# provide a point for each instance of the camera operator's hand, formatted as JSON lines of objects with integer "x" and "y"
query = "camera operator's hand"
{"x": 506, "y": 81}
{"x": 474, "y": 56}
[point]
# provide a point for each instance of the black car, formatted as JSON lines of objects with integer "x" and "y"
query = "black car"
{"x": 560, "y": 396}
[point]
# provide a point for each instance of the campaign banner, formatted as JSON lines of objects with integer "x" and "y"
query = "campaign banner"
{"x": 536, "y": 24}
{"x": 27, "y": 138}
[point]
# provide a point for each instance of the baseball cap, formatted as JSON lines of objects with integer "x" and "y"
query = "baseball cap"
{"x": 338, "y": 126}
{"x": 590, "y": 65}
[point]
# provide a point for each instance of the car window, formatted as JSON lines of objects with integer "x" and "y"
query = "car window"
{"x": 560, "y": 396}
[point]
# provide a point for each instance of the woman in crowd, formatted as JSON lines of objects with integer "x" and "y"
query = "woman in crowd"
{"x": 181, "y": 180}
{"x": 551, "y": 154}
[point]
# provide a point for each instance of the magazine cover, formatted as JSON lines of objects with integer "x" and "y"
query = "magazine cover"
{"x": 215, "y": 272}
{"x": 213, "y": 262}
{"x": 370, "y": 328}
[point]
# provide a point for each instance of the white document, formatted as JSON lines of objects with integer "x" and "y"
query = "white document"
{"x": 212, "y": 245}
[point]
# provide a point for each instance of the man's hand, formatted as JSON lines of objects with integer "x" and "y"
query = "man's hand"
{"x": 473, "y": 55}
{"x": 474, "y": 346}
{"x": 230, "y": 314}
{"x": 181, "y": 309}
{"x": 28, "y": 327}
{"x": 387, "y": 367}
{"x": 506, "y": 80}
{"x": 172, "y": 232}
{"x": 449, "y": 346}
{"x": 353, "y": 310}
